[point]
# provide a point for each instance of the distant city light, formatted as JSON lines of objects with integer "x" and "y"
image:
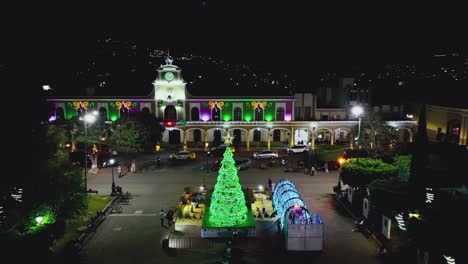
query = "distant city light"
{"x": 46, "y": 87}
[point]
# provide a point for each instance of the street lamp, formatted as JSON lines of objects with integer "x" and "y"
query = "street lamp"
{"x": 111, "y": 162}
{"x": 357, "y": 111}
{"x": 88, "y": 118}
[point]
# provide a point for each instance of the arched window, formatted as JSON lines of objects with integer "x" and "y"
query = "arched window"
{"x": 80, "y": 112}
{"x": 145, "y": 110}
{"x": 216, "y": 114}
{"x": 197, "y": 135}
{"x": 195, "y": 114}
{"x": 170, "y": 113}
{"x": 276, "y": 135}
{"x": 237, "y": 114}
{"x": 258, "y": 114}
{"x": 59, "y": 113}
{"x": 280, "y": 114}
{"x": 103, "y": 114}
{"x": 257, "y": 136}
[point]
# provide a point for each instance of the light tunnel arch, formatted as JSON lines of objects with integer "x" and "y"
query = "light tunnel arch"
{"x": 286, "y": 198}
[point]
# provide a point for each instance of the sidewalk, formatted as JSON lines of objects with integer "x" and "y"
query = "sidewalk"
{"x": 389, "y": 255}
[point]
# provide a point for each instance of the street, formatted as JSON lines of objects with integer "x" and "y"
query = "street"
{"x": 134, "y": 236}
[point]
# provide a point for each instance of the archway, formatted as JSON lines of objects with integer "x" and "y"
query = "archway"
{"x": 217, "y": 137}
{"x": 453, "y": 131}
{"x": 257, "y": 136}
{"x": 174, "y": 136}
{"x": 195, "y": 114}
{"x": 197, "y": 135}
{"x": 301, "y": 136}
{"x": 237, "y": 137}
{"x": 103, "y": 114}
{"x": 276, "y": 135}
{"x": 145, "y": 110}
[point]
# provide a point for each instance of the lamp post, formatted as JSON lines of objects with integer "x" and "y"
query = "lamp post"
{"x": 88, "y": 118}
{"x": 357, "y": 111}
{"x": 111, "y": 162}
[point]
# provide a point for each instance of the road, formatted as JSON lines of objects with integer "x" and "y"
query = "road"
{"x": 134, "y": 236}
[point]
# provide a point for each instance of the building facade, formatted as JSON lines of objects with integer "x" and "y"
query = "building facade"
{"x": 202, "y": 121}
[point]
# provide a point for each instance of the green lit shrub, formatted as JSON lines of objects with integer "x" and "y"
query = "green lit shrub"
{"x": 361, "y": 174}
{"x": 403, "y": 164}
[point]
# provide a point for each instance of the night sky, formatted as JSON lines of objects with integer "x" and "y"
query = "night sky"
{"x": 288, "y": 49}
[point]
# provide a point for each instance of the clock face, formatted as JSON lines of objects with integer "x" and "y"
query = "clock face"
{"x": 169, "y": 76}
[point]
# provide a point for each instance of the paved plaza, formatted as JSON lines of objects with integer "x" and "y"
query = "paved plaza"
{"x": 135, "y": 235}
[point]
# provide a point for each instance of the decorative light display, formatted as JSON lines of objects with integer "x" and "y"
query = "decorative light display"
{"x": 228, "y": 208}
{"x": 180, "y": 103}
{"x": 400, "y": 221}
{"x": 429, "y": 195}
{"x": 81, "y": 105}
{"x": 127, "y": 105}
{"x": 169, "y": 123}
{"x": 449, "y": 259}
{"x": 286, "y": 198}
{"x": 219, "y": 105}
{"x": 261, "y": 105}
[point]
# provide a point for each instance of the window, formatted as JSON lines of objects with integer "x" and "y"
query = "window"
{"x": 237, "y": 114}
{"x": 307, "y": 112}
{"x": 216, "y": 114}
{"x": 395, "y": 108}
{"x": 170, "y": 113}
{"x": 297, "y": 113}
{"x": 195, "y": 114}
{"x": 103, "y": 113}
{"x": 258, "y": 114}
{"x": 280, "y": 114}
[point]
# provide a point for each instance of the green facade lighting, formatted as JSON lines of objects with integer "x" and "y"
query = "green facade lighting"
{"x": 268, "y": 118}
{"x": 228, "y": 208}
{"x": 227, "y": 118}
{"x": 247, "y": 117}
{"x": 114, "y": 118}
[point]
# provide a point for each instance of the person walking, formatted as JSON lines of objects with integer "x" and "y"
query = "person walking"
{"x": 162, "y": 215}
{"x": 119, "y": 169}
{"x": 269, "y": 183}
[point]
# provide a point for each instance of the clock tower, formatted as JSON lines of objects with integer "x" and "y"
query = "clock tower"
{"x": 169, "y": 90}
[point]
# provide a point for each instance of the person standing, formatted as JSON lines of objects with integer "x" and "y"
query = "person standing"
{"x": 119, "y": 169}
{"x": 162, "y": 215}
{"x": 269, "y": 183}
{"x": 326, "y": 167}
{"x": 169, "y": 217}
{"x": 134, "y": 166}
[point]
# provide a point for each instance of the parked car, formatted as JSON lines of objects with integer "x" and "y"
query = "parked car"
{"x": 265, "y": 154}
{"x": 243, "y": 164}
{"x": 183, "y": 155}
{"x": 218, "y": 151}
{"x": 297, "y": 149}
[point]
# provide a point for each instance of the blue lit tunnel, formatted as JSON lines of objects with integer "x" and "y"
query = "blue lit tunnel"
{"x": 288, "y": 202}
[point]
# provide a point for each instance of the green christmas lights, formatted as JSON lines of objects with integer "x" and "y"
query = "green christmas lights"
{"x": 227, "y": 207}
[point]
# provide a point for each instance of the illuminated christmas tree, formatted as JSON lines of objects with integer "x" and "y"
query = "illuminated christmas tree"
{"x": 227, "y": 207}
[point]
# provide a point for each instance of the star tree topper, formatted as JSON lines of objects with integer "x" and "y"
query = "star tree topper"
{"x": 228, "y": 139}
